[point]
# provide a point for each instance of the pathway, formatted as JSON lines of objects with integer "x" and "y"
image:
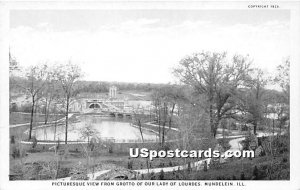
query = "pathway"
{"x": 91, "y": 176}
{"x": 154, "y": 125}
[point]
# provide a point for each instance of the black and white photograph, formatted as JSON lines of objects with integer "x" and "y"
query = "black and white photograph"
{"x": 114, "y": 96}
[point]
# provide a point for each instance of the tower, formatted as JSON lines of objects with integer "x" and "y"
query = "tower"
{"x": 112, "y": 92}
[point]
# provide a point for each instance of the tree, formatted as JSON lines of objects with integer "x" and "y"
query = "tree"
{"x": 253, "y": 102}
{"x": 194, "y": 128}
{"x": 51, "y": 95}
{"x": 88, "y": 132}
{"x": 212, "y": 76}
{"x": 156, "y": 101}
{"x": 165, "y": 100}
{"x": 13, "y": 64}
{"x": 36, "y": 77}
{"x": 283, "y": 79}
{"x": 67, "y": 75}
{"x": 138, "y": 119}
{"x": 56, "y": 111}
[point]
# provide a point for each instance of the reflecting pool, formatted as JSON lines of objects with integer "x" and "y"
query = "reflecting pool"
{"x": 118, "y": 129}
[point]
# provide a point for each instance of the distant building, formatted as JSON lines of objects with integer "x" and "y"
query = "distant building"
{"x": 113, "y": 92}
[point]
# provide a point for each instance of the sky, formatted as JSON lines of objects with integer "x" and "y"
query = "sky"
{"x": 144, "y": 45}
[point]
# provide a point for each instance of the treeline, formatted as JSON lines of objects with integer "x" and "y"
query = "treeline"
{"x": 96, "y": 86}
{"x": 103, "y": 86}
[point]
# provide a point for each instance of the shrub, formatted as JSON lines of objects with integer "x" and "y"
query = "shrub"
{"x": 13, "y": 107}
{"x": 15, "y": 153}
{"x": 151, "y": 176}
{"x": 12, "y": 139}
{"x": 25, "y": 108}
{"x": 34, "y": 142}
{"x": 48, "y": 170}
{"x": 78, "y": 172}
{"x": 205, "y": 166}
{"x": 161, "y": 175}
{"x": 242, "y": 176}
{"x": 220, "y": 177}
{"x": 255, "y": 173}
{"x": 246, "y": 143}
{"x": 189, "y": 169}
{"x": 110, "y": 149}
{"x": 31, "y": 171}
{"x": 224, "y": 143}
{"x": 63, "y": 172}
{"x": 284, "y": 159}
{"x": 129, "y": 165}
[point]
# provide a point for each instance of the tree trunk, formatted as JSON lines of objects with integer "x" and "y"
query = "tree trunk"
{"x": 212, "y": 127}
{"x": 47, "y": 111}
{"x": 164, "y": 123}
{"x": 171, "y": 115}
{"x": 140, "y": 127}
{"x": 280, "y": 124}
{"x": 31, "y": 117}
{"x": 215, "y": 128}
{"x": 159, "y": 130}
{"x": 55, "y": 119}
{"x": 273, "y": 126}
{"x": 163, "y": 135}
{"x": 254, "y": 127}
{"x": 46, "y": 105}
{"x": 67, "y": 119}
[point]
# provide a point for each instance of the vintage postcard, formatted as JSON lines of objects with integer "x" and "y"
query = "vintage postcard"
{"x": 141, "y": 94}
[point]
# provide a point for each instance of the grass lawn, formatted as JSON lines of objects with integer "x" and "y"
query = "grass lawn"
{"x": 20, "y": 118}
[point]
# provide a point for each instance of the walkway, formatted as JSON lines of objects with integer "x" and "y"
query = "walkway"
{"x": 154, "y": 125}
{"x": 91, "y": 176}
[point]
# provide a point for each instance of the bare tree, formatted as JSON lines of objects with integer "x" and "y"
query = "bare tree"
{"x": 67, "y": 75}
{"x": 51, "y": 95}
{"x": 139, "y": 117}
{"x": 283, "y": 79}
{"x": 13, "y": 64}
{"x": 194, "y": 128}
{"x": 36, "y": 77}
{"x": 166, "y": 99}
{"x": 156, "y": 101}
{"x": 88, "y": 132}
{"x": 252, "y": 99}
{"x": 211, "y": 75}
